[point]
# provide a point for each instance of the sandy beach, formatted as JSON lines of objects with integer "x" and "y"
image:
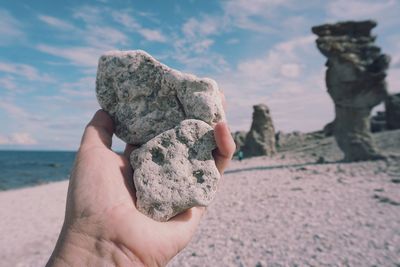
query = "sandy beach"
{"x": 286, "y": 210}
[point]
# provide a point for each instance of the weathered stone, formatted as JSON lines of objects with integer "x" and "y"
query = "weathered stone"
{"x": 328, "y": 128}
{"x": 392, "y": 106}
{"x": 355, "y": 78}
{"x": 378, "y": 122}
{"x": 296, "y": 139}
{"x": 175, "y": 170}
{"x": 239, "y": 137}
{"x": 146, "y": 98}
{"x": 260, "y": 140}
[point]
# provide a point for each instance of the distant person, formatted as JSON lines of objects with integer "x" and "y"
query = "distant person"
{"x": 240, "y": 155}
{"x": 102, "y": 226}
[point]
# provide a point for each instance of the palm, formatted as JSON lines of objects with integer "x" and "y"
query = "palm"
{"x": 101, "y": 199}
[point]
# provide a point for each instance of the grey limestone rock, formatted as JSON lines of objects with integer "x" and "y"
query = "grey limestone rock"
{"x": 260, "y": 140}
{"x": 146, "y": 98}
{"x": 239, "y": 137}
{"x": 355, "y": 78}
{"x": 392, "y": 106}
{"x": 175, "y": 170}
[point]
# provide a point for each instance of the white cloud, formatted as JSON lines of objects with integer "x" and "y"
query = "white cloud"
{"x": 13, "y": 110}
{"x": 84, "y": 87}
{"x": 233, "y": 41}
{"x": 21, "y": 138}
{"x": 8, "y": 82}
{"x": 100, "y": 36}
{"x": 206, "y": 26}
{"x": 10, "y": 28}
{"x": 126, "y": 19}
{"x": 290, "y": 70}
{"x": 254, "y": 15}
{"x": 286, "y": 81}
{"x": 152, "y": 35}
{"x": 80, "y": 56}
{"x": 363, "y": 9}
{"x": 24, "y": 70}
{"x": 55, "y": 22}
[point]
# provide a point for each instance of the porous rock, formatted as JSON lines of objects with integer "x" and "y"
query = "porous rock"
{"x": 260, "y": 140}
{"x": 355, "y": 78}
{"x": 175, "y": 170}
{"x": 146, "y": 98}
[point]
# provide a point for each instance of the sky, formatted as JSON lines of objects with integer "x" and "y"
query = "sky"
{"x": 258, "y": 51}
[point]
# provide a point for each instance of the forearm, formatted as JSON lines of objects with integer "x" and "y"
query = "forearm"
{"x": 76, "y": 249}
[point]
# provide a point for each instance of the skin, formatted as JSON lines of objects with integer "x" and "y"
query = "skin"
{"x": 102, "y": 226}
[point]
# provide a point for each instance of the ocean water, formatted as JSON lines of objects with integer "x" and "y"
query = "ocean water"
{"x": 29, "y": 168}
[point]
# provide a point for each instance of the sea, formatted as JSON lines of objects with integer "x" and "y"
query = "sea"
{"x": 29, "y": 168}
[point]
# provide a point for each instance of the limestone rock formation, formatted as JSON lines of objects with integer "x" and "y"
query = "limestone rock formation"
{"x": 146, "y": 98}
{"x": 378, "y": 122}
{"x": 328, "y": 128}
{"x": 260, "y": 140}
{"x": 355, "y": 78}
{"x": 239, "y": 137}
{"x": 392, "y": 106}
{"x": 175, "y": 170}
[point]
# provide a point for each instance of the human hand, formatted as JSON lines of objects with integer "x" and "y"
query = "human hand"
{"x": 102, "y": 226}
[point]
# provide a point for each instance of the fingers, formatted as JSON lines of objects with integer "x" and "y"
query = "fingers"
{"x": 99, "y": 131}
{"x": 225, "y": 146}
{"x": 128, "y": 150}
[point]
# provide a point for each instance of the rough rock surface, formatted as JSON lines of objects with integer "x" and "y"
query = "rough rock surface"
{"x": 328, "y": 129}
{"x": 260, "y": 140}
{"x": 392, "y": 105}
{"x": 378, "y": 122}
{"x": 356, "y": 82}
{"x": 288, "y": 141}
{"x": 175, "y": 170}
{"x": 239, "y": 137}
{"x": 146, "y": 98}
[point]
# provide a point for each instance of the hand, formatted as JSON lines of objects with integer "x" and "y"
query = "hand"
{"x": 102, "y": 226}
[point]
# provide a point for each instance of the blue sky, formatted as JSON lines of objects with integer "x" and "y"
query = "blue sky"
{"x": 258, "y": 52}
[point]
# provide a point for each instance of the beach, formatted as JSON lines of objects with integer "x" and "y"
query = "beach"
{"x": 291, "y": 209}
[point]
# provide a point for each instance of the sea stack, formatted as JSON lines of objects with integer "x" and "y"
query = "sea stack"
{"x": 392, "y": 106}
{"x": 355, "y": 78}
{"x": 260, "y": 140}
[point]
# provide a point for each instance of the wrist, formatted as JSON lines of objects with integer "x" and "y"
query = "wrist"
{"x": 80, "y": 249}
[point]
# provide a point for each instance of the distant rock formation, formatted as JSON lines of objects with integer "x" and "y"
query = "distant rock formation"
{"x": 260, "y": 140}
{"x": 239, "y": 137}
{"x": 328, "y": 129}
{"x": 296, "y": 139}
{"x": 378, "y": 122}
{"x": 356, "y": 83}
{"x": 392, "y": 105}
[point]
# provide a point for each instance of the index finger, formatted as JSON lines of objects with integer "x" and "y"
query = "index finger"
{"x": 225, "y": 146}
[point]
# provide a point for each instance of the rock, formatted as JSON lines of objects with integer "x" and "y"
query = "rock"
{"x": 355, "y": 78}
{"x": 378, "y": 122}
{"x": 146, "y": 98}
{"x": 328, "y": 129}
{"x": 260, "y": 140}
{"x": 288, "y": 141}
{"x": 296, "y": 139}
{"x": 239, "y": 138}
{"x": 175, "y": 170}
{"x": 392, "y": 106}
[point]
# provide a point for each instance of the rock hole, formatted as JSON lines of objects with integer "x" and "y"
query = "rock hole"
{"x": 199, "y": 176}
{"x": 157, "y": 156}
